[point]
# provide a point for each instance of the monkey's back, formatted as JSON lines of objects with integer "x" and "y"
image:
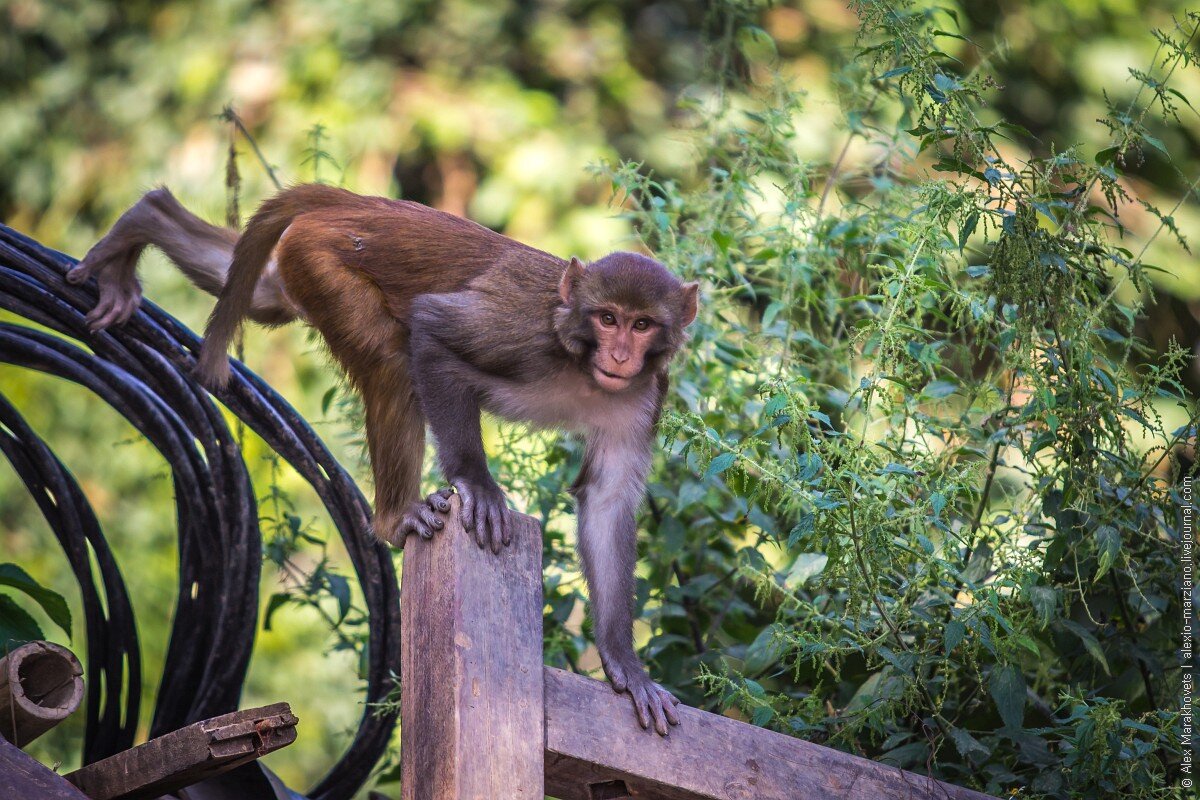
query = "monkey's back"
{"x": 405, "y": 249}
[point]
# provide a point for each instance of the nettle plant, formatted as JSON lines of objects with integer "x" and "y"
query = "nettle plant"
{"x": 920, "y": 501}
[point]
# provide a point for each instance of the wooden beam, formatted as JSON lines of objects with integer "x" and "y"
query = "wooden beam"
{"x": 595, "y": 750}
{"x": 188, "y": 755}
{"x": 41, "y": 684}
{"x": 23, "y": 776}
{"x": 471, "y": 707}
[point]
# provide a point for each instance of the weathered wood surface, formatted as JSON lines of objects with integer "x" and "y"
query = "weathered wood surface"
{"x": 471, "y": 708}
{"x": 22, "y": 776}
{"x": 41, "y": 684}
{"x": 188, "y": 755}
{"x": 595, "y": 750}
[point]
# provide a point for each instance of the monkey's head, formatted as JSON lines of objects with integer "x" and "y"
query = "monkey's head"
{"x": 623, "y": 316}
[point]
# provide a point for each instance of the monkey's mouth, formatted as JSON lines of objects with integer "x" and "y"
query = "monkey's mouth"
{"x": 610, "y": 381}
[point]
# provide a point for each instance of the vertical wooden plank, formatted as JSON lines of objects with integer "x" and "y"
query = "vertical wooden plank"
{"x": 472, "y": 717}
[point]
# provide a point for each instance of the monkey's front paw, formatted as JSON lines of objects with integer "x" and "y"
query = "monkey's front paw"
{"x": 651, "y": 702}
{"x": 485, "y": 513}
{"x": 425, "y": 517}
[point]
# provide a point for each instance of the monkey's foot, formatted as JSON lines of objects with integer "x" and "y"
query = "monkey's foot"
{"x": 120, "y": 292}
{"x": 651, "y": 702}
{"x": 485, "y": 513}
{"x": 424, "y": 518}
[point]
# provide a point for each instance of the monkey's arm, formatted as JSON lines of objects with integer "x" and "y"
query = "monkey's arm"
{"x": 609, "y": 490}
{"x": 446, "y": 387}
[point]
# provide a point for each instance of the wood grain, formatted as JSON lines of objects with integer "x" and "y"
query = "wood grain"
{"x": 188, "y": 755}
{"x": 22, "y": 776}
{"x": 595, "y": 749}
{"x": 471, "y": 708}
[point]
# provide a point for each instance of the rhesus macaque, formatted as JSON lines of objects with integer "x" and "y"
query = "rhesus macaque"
{"x": 434, "y": 318}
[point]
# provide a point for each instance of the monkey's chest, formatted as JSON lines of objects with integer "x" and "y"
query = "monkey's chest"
{"x": 564, "y": 400}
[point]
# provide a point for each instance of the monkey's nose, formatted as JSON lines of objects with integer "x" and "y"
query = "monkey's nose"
{"x": 620, "y": 358}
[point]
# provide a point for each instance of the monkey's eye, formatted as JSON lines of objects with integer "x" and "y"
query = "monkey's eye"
{"x": 642, "y": 325}
{"x": 608, "y": 319}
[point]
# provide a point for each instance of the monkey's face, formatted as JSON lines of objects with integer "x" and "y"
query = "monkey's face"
{"x": 622, "y": 316}
{"x": 623, "y": 337}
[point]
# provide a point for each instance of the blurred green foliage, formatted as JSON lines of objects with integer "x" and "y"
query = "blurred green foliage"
{"x": 995, "y": 611}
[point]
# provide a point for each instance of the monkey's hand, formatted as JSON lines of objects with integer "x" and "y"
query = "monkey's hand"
{"x": 116, "y": 279}
{"x": 484, "y": 511}
{"x": 651, "y": 702}
{"x": 424, "y": 518}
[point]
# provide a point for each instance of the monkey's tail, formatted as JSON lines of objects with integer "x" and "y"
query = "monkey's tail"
{"x": 250, "y": 257}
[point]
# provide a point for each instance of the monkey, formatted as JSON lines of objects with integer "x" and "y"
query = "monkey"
{"x": 435, "y": 319}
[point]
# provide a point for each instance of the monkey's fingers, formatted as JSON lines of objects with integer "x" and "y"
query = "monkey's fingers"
{"x": 439, "y": 501}
{"x": 641, "y": 705}
{"x": 430, "y": 521}
{"x": 496, "y": 528}
{"x": 467, "y": 513}
{"x": 669, "y": 701}
{"x": 656, "y": 710}
{"x": 106, "y": 312}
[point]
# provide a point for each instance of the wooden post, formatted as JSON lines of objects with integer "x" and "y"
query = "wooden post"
{"x": 22, "y": 776}
{"x": 472, "y": 718}
{"x": 41, "y": 684}
{"x": 596, "y": 751}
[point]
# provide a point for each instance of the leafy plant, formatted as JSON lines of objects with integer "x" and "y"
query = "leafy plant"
{"x": 17, "y": 626}
{"x": 919, "y": 456}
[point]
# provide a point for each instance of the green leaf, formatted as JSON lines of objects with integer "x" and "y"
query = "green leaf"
{"x": 966, "y": 744}
{"x": 1156, "y": 143}
{"x": 339, "y": 587}
{"x": 1044, "y": 600}
{"x": 953, "y": 635}
{"x": 719, "y": 464}
{"x": 939, "y": 389}
{"x": 764, "y": 651}
{"x": 894, "y": 73}
{"x": 1108, "y": 547}
{"x": 1089, "y": 643}
{"x": 53, "y": 603}
{"x": 16, "y": 626}
{"x": 277, "y": 601}
{"x": 806, "y": 566}
{"x": 769, "y": 315}
{"x": 1007, "y": 688}
{"x": 979, "y": 565}
{"x": 803, "y": 528}
{"x": 968, "y": 227}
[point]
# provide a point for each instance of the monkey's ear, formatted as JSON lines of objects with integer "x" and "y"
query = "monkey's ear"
{"x": 690, "y": 302}
{"x": 570, "y": 277}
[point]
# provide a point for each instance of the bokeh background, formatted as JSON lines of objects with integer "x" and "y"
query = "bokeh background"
{"x": 493, "y": 109}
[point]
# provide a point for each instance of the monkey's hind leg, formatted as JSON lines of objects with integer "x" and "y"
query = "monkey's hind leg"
{"x": 201, "y": 251}
{"x": 396, "y": 440}
{"x": 369, "y": 343}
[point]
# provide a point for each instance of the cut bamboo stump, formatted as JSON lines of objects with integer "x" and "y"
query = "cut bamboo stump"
{"x": 471, "y": 658}
{"x": 41, "y": 684}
